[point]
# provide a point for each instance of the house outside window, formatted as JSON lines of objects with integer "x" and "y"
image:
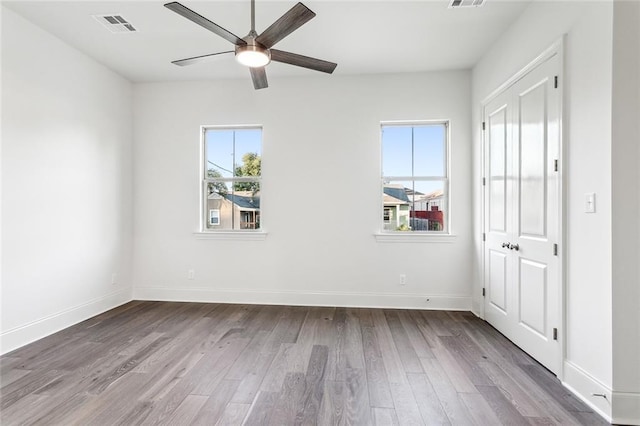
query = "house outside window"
{"x": 232, "y": 163}
{"x": 249, "y": 219}
{"x": 415, "y": 183}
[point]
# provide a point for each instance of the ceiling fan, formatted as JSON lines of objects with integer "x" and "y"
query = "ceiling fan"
{"x": 256, "y": 51}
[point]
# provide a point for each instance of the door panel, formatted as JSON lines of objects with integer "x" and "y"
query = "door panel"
{"x": 521, "y": 274}
{"x": 533, "y": 150}
{"x": 498, "y": 170}
{"x": 533, "y": 295}
{"x": 498, "y": 280}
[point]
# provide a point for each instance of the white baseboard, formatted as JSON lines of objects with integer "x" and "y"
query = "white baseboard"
{"x": 584, "y": 386}
{"x": 621, "y": 408}
{"x": 626, "y": 408}
{"x": 19, "y": 336}
{"x": 342, "y": 299}
{"x": 476, "y": 313}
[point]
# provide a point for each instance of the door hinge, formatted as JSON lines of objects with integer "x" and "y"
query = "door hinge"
{"x": 555, "y": 249}
{"x": 484, "y": 237}
{"x": 555, "y": 82}
{"x": 484, "y": 181}
{"x": 483, "y": 292}
{"x": 555, "y": 334}
{"x": 555, "y": 165}
{"x": 484, "y": 126}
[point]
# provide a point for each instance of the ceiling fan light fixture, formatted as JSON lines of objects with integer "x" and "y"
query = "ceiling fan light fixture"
{"x": 253, "y": 56}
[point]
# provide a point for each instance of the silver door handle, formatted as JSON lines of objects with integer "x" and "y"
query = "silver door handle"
{"x": 515, "y": 247}
{"x": 506, "y": 245}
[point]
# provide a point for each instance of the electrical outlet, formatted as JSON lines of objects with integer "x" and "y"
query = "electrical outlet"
{"x": 114, "y": 278}
{"x": 191, "y": 274}
{"x": 403, "y": 279}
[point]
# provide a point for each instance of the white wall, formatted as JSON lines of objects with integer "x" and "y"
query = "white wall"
{"x": 321, "y": 194}
{"x": 587, "y": 167}
{"x": 66, "y": 185}
{"x": 626, "y": 209}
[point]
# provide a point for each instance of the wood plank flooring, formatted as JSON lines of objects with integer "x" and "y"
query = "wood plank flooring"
{"x": 158, "y": 363}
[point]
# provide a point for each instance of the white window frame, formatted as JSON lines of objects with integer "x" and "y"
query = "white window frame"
{"x": 444, "y": 235}
{"x": 235, "y": 234}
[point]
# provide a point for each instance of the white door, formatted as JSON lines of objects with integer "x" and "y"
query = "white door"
{"x": 522, "y": 216}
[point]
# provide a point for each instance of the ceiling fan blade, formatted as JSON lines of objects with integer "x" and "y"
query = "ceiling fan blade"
{"x": 196, "y": 59}
{"x": 204, "y": 22}
{"x": 259, "y": 77}
{"x": 285, "y": 25}
{"x": 302, "y": 61}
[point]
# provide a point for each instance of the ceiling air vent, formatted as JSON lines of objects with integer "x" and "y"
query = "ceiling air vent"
{"x": 466, "y": 3}
{"x": 115, "y": 23}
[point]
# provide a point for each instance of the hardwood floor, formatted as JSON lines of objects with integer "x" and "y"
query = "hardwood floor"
{"x": 203, "y": 364}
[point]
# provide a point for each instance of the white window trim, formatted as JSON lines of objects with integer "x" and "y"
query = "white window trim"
{"x": 213, "y": 234}
{"x": 391, "y": 236}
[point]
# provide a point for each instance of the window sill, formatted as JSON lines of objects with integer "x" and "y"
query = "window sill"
{"x": 231, "y": 235}
{"x": 413, "y": 237}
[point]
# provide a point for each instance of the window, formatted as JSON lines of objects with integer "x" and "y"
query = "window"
{"x": 386, "y": 214}
{"x": 415, "y": 185}
{"x": 214, "y": 217}
{"x": 231, "y": 178}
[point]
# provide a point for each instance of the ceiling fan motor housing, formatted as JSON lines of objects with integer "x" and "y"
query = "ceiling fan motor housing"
{"x": 252, "y": 54}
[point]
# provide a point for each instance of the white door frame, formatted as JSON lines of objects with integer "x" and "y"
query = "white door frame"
{"x": 557, "y": 48}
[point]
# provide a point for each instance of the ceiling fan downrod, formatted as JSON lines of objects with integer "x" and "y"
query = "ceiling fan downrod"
{"x": 253, "y": 16}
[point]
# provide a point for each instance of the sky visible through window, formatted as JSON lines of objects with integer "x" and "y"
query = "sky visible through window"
{"x": 425, "y": 157}
{"x": 223, "y": 154}
{"x": 421, "y": 154}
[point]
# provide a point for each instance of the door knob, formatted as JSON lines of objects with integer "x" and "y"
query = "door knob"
{"x": 515, "y": 247}
{"x": 506, "y": 245}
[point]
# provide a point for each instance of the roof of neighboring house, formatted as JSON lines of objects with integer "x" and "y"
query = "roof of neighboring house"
{"x": 410, "y": 191}
{"x": 438, "y": 193}
{"x": 435, "y": 194}
{"x": 244, "y": 201}
{"x": 397, "y": 192}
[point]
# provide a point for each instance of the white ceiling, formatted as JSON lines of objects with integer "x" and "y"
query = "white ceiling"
{"x": 363, "y": 37}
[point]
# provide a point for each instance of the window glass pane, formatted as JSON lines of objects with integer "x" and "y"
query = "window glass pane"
{"x": 219, "y": 152}
{"x": 414, "y": 206}
{"x": 396, "y": 151}
{"x": 396, "y": 206}
{"x": 419, "y": 153}
{"x": 429, "y": 150}
{"x": 234, "y": 209}
{"x": 247, "y": 152}
{"x": 429, "y": 204}
{"x": 233, "y": 201}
